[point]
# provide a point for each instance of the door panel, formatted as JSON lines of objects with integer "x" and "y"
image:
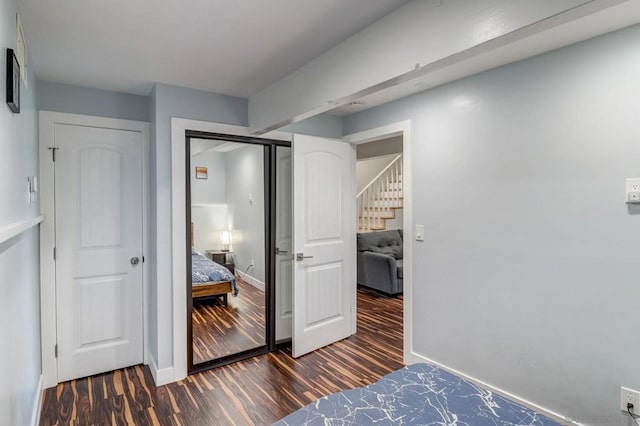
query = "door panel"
{"x": 284, "y": 244}
{"x": 323, "y": 187}
{"x": 324, "y": 234}
{"x": 100, "y": 172}
{"x": 323, "y": 285}
{"x": 98, "y": 187}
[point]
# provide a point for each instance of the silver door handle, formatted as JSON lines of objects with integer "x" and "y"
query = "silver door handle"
{"x": 301, "y": 256}
{"x": 278, "y": 251}
{"x": 135, "y": 260}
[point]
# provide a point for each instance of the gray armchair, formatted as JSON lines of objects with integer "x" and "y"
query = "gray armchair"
{"x": 380, "y": 261}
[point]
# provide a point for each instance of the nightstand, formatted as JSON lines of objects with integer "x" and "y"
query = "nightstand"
{"x": 224, "y": 258}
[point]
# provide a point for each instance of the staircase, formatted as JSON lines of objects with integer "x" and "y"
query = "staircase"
{"x": 380, "y": 199}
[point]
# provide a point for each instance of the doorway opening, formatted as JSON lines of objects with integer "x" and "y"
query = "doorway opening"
{"x": 384, "y": 248}
{"x": 380, "y": 263}
{"x": 236, "y": 210}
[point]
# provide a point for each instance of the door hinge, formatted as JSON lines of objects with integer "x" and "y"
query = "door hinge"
{"x": 142, "y": 259}
{"x": 53, "y": 153}
{"x": 54, "y": 253}
{"x": 55, "y": 350}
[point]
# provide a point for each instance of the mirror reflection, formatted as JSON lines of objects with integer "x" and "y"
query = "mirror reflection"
{"x": 227, "y": 248}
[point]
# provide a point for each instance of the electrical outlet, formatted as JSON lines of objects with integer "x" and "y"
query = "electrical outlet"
{"x": 633, "y": 190}
{"x": 629, "y": 396}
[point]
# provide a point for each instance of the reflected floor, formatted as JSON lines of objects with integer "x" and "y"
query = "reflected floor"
{"x": 220, "y": 330}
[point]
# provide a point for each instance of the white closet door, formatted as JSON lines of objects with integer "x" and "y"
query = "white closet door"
{"x": 324, "y": 241}
{"x": 98, "y": 193}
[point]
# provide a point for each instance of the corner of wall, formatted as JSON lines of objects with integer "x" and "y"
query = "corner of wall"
{"x": 160, "y": 376}
{"x": 37, "y": 403}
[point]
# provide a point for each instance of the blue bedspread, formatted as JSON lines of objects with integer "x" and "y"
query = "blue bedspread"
{"x": 419, "y": 394}
{"x": 204, "y": 270}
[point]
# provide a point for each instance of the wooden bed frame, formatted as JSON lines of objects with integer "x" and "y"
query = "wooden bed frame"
{"x": 214, "y": 288}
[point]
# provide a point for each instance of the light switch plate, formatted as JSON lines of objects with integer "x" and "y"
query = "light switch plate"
{"x": 419, "y": 232}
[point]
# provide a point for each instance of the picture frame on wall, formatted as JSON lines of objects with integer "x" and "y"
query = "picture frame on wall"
{"x": 13, "y": 82}
{"x": 201, "y": 173}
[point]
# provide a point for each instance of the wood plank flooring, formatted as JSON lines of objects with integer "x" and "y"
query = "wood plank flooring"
{"x": 220, "y": 330}
{"x": 257, "y": 391}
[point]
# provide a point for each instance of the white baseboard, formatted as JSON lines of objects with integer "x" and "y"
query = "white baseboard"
{"x": 414, "y": 358}
{"x": 251, "y": 280}
{"x": 161, "y": 376}
{"x": 35, "y": 410}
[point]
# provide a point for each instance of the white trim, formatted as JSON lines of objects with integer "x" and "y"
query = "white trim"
{"x": 251, "y": 280}
{"x": 48, "y": 336}
{"x": 402, "y": 128}
{"x": 9, "y": 231}
{"x": 35, "y": 409}
{"x": 47, "y": 121}
{"x": 146, "y": 241}
{"x": 163, "y": 376}
{"x": 179, "y": 222}
{"x": 415, "y": 358}
{"x": 208, "y": 205}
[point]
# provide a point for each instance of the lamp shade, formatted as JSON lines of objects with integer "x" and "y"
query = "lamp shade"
{"x": 225, "y": 237}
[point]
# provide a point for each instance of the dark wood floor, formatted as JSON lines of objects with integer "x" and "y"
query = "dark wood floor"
{"x": 220, "y": 330}
{"x": 258, "y": 391}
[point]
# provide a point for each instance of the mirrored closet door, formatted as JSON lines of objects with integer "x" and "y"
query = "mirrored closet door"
{"x": 239, "y": 248}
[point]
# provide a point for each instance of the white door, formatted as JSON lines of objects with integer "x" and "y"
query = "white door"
{"x": 98, "y": 217}
{"x": 324, "y": 241}
{"x": 284, "y": 244}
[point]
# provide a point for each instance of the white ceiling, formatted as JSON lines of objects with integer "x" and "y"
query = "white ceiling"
{"x": 201, "y": 146}
{"x": 235, "y": 47}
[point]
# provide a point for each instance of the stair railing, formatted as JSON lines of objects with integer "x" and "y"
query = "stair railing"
{"x": 380, "y": 197}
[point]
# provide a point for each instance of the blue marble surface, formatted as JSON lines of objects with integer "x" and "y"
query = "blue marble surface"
{"x": 419, "y": 394}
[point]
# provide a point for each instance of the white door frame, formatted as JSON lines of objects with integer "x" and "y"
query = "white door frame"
{"x": 48, "y": 313}
{"x": 179, "y": 223}
{"x": 402, "y": 128}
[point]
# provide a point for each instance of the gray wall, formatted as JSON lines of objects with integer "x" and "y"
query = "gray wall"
{"x": 325, "y": 125}
{"x": 20, "y": 362}
{"x": 96, "y": 102}
{"x": 210, "y": 220}
{"x": 369, "y": 168}
{"x": 245, "y": 178}
{"x": 379, "y": 148}
{"x": 527, "y": 278}
{"x": 172, "y": 101}
{"x": 213, "y": 189}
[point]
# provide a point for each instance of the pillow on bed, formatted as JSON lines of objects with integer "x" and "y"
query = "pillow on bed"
{"x": 393, "y": 251}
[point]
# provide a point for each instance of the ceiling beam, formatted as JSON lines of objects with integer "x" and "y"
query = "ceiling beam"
{"x": 422, "y": 37}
